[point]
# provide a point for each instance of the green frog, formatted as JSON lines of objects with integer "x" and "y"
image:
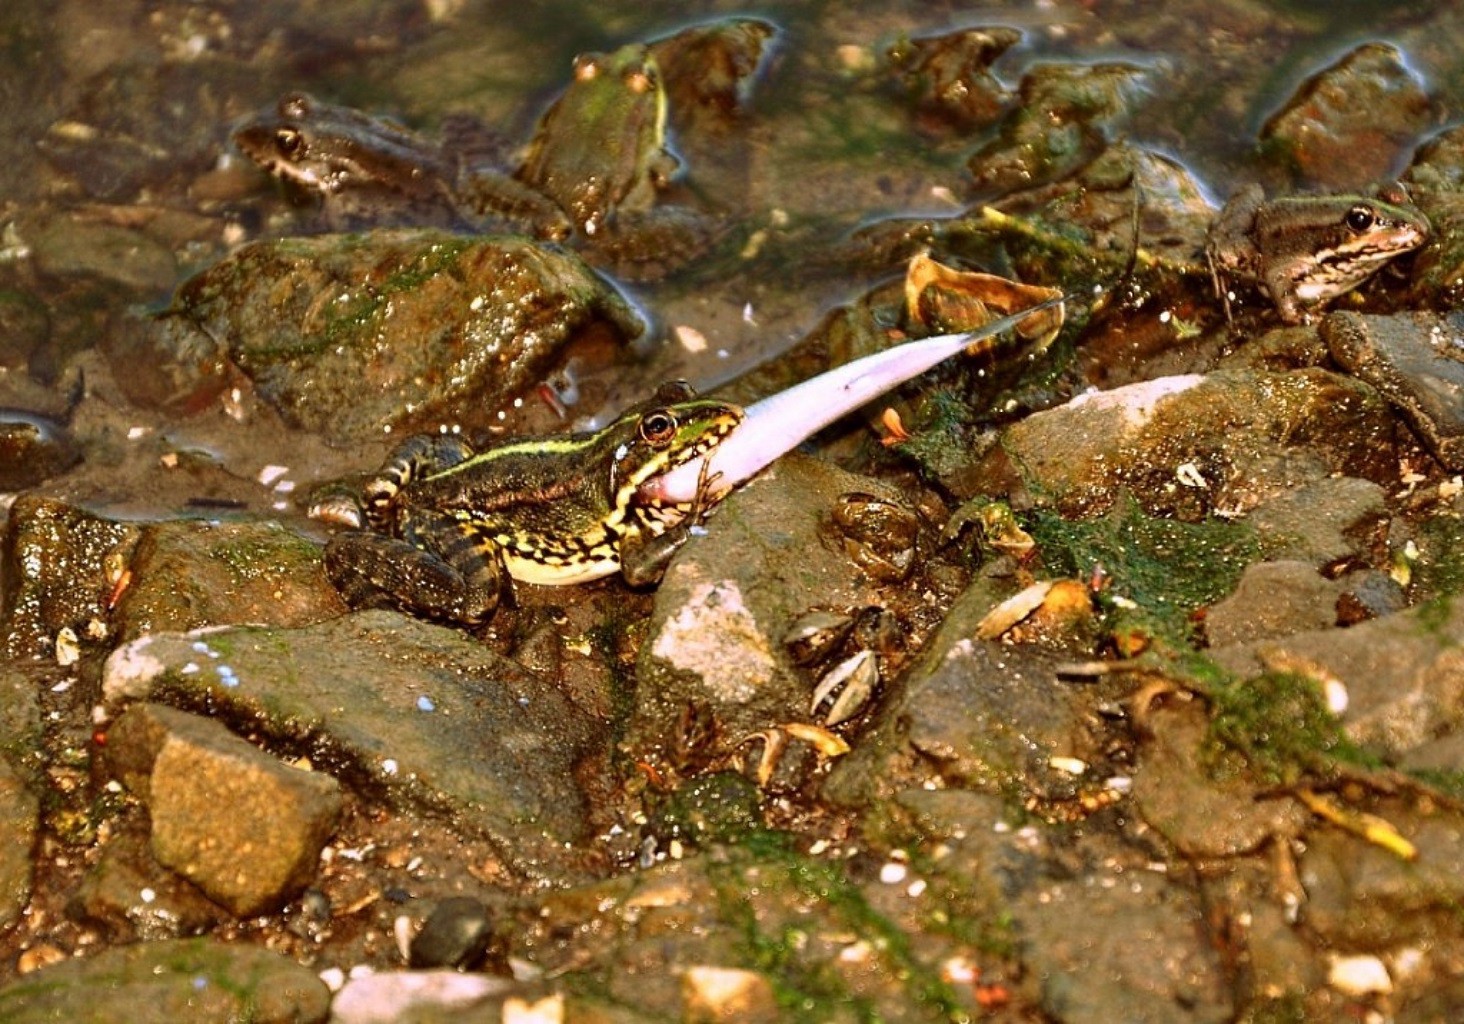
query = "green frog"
{"x": 449, "y": 525}
{"x": 600, "y": 150}
{"x": 1305, "y": 250}
{"x": 599, "y": 153}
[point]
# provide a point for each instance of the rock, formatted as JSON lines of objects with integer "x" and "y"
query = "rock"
{"x": 75, "y": 245}
{"x": 19, "y": 815}
{"x": 973, "y": 714}
{"x": 393, "y": 996}
{"x": 1202, "y": 815}
{"x": 1415, "y": 360}
{"x": 1189, "y": 446}
{"x": 420, "y": 713}
{"x": 1362, "y": 898}
{"x": 59, "y": 567}
{"x": 1350, "y": 124}
{"x": 1274, "y": 599}
{"x": 165, "y": 362}
{"x": 196, "y": 980}
{"x": 242, "y": 826}
{"x": 714, "y": 643}
{"x": 187, "y": 574}
{"x": 350, "y": 335}
{"x": 712, "y": 994}
{"x": 1322, "y": 522}
{"x": 1404, "y": 674}
{"x": 456, "y": 934}
{"x": 1369, "y": 594}
{"x": 129, "y": 895}
{"x": 20, "y": 736}
{"x": 1117, "y": 940}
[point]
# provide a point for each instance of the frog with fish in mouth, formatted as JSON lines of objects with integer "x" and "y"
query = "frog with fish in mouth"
{"x": 448, "y": 526}
{"x": 1305, "y": 250}
{"x": 598, "y": 161}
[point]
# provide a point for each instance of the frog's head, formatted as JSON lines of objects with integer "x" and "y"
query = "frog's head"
{"x": 674, "y": 428}
{"x": 324, "y": 148}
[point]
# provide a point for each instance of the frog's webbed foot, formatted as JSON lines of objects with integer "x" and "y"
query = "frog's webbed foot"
{"x": 415, "y": 457}
{"x": 450, "y": 573}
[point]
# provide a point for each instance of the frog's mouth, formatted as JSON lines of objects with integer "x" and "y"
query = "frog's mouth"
{"x": 776, "y": 425}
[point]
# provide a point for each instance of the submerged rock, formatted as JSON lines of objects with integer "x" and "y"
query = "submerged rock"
{"x": 1348, "y": 125}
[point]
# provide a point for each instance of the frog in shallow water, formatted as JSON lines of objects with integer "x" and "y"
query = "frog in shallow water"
{"x": 1305, "y": 250}
{"x": 370, "y": 170}
{"x": 598, "y": 160}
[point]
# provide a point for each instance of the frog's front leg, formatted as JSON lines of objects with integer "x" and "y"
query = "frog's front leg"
{"x": 439, "y": 568}
{"x": 645, "y": 554}
{"x": 417, "y": 456}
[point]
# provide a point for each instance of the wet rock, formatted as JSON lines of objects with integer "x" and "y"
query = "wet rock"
{"x": 456, "y": 934}
{"x": 1114, "y": 940}
{"x": 1274, "y": 599}
{"x": 972, "y": 714}
{"x": 1190, "y": 446}
{"x": 33, "y": 448}
{"x": 1323, "y": 522}
{"x": 711, "y": 994}
{"x": 189, "y": 574}
{"x": 948, "y": 77}
{"x": 1352, "y": 123}
{"x": 132, "y": 897}
{"x": 350, "y": 335}
{"x": 1151, "y": 968}
{"x": 186, "y": 979}
{"x": 25, "y": 326}
{"x": 1417, "y": 361}
{"x": 715, "y": 639}
{"x": 1200, "y": 814}
{"x": 1362, "y": 897}
{"x": 60, "y": 566}
{"x": 1404, "y": 674}
{"x": 1369, "y": 594}
{"x": 20, "y": 737}
{"x": 1065, "y": 115}
{"x": 424, "y": 996}
{"x": 242, "y": 826}
{"x": 420, "y": 713}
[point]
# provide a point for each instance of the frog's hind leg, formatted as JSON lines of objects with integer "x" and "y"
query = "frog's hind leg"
{"x": 451, "y": 573}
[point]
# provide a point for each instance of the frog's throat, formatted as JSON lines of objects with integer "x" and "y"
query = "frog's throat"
{"x": 778, "y": 424}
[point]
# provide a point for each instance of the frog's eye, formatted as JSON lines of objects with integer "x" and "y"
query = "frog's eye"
{"x": 1359, "y": 219}
{"x": 586, "y": 67}
{"x": 288, "y": 141}
{"x": 658, "y": 427}
{"x": 640, "y": 81}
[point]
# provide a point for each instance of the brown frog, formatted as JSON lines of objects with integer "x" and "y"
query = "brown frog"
{"x": 1305, "y": 250}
